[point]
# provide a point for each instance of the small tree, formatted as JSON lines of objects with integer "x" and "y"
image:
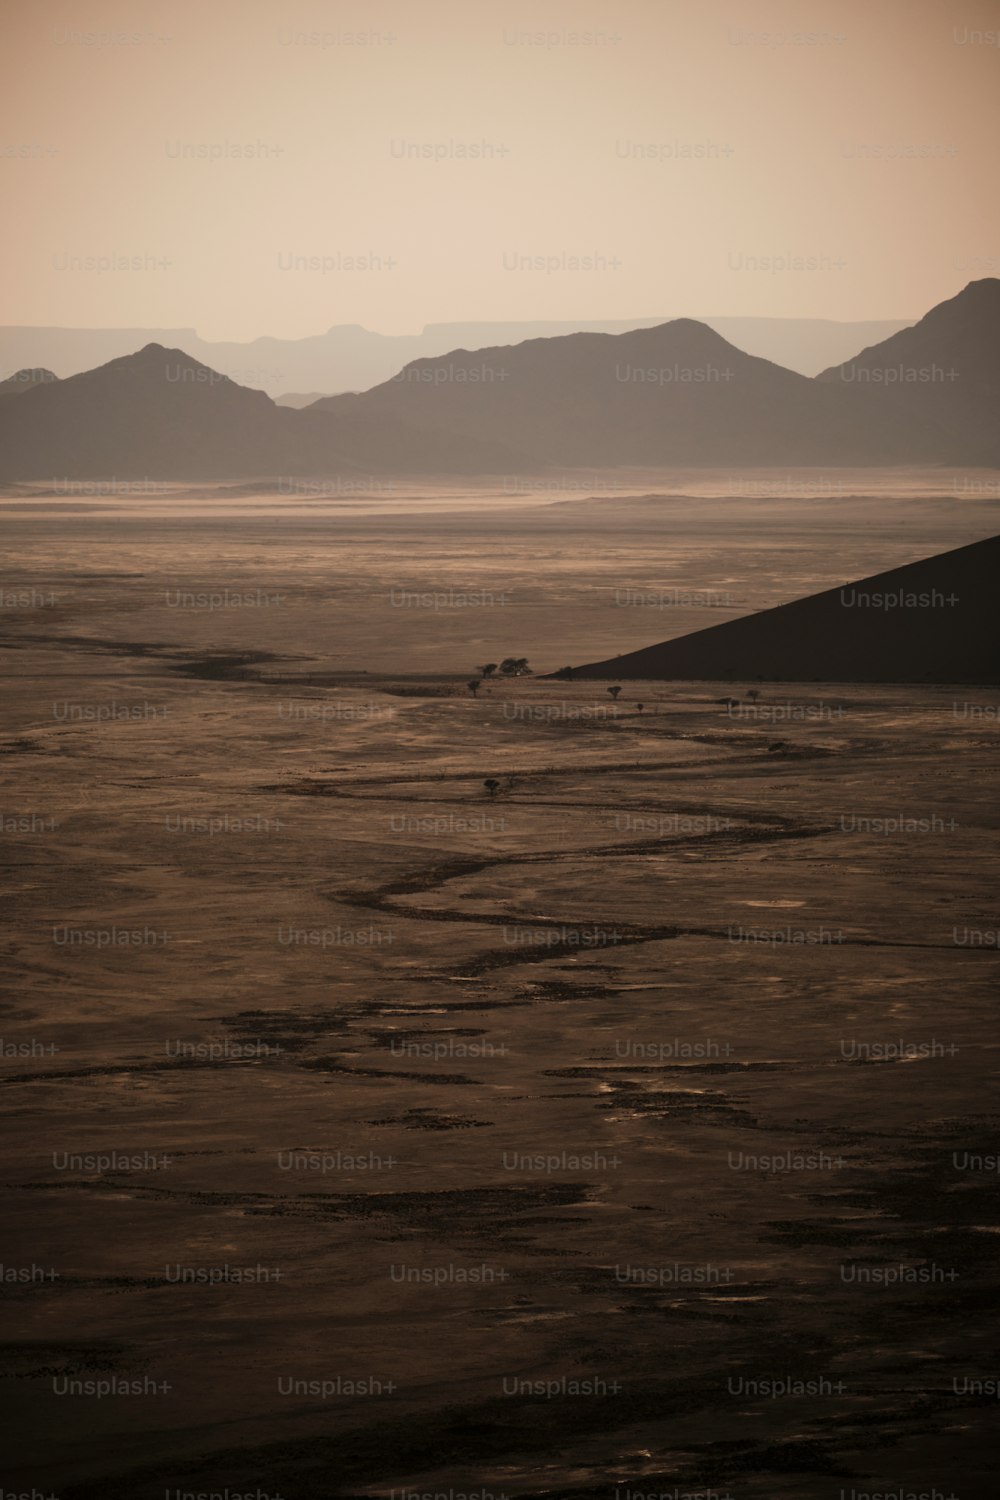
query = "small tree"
{"x": 473, "y": 685}
{"x": 514, "y": 666}
{"x": 640, "y": 706}
{"x": 753, "y": 695}
{"x": 488, "y": 669}
{"x": 492, "y": 785}
{"x": 614, "y": 691}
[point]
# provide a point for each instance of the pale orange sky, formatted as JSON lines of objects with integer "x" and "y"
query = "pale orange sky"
{"x": 860, "y": 133}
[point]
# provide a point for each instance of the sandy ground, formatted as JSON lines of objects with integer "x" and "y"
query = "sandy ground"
{"x": 628, "y": 1130}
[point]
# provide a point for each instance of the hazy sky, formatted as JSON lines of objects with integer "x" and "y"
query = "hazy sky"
{"x": 544, "y": 159}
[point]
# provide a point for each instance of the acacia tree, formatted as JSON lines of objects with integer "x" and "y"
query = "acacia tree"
{"x": 488, "y": 669}
{"x": 614, "y": 691}
{"x": 473, "y": 685}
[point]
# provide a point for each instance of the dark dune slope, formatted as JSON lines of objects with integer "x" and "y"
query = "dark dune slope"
{"x": 931, "y": 621}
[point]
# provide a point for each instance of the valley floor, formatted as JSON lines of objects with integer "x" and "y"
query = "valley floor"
{"x": 631, "y": 1129}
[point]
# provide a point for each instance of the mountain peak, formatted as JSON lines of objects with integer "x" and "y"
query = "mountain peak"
{"x": 693, "y": 335}
{"x": 977, "y": 298}
{"x": 986, "y": 286}
{"x": 156, "y": 360}
{"x": 945, "y": 371}
{"x": 23, "y": 380}
{"x": 682, "y": 324}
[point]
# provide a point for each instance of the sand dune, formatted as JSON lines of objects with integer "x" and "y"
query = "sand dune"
{"x": 931, "y": 621}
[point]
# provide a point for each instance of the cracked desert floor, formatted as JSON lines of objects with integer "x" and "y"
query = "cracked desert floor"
{"x": 626, "y": 1130}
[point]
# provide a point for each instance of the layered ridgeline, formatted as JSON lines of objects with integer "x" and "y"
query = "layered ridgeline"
{"x": 944, "y": 372}
{"x": 674, "y": 394}
{"x": 937, "y": 620}
{"x": 160, "y": 414}
{"x": 348, "y": 357}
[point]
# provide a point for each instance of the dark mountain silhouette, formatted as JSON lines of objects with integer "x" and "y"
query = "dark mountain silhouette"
{"x": 674, "y": 394}
{"x": 944, "y": 372}
{"x": 937, "y": 620}
{"x": 161, "y": 414}
{"x": 348, "y": 357}
{"x": 23, "y": 380}
{"x": 154, "y": 413}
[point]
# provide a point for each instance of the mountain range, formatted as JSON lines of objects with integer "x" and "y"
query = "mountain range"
{"x": 351, "y": 358}
{"x": 674, "y": 394}
{"x": 945, "y": 371}
{"x": 935, "y": 620}
{"x": 158, "y": 414}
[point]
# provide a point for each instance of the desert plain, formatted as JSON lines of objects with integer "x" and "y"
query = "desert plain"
{"x": 625, "y": 1128}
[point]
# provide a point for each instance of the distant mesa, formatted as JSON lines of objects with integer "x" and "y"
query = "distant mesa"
{"x": 933, "y": 621}
{"x": 297, "y": 401}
